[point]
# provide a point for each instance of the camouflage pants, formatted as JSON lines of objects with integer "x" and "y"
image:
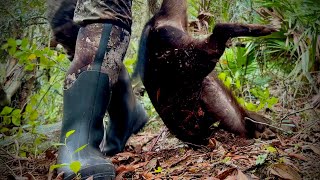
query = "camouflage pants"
{"x": 115, "y": 11}
{"x": 64, "y": 15}
{"x": 86, "y": 47}
{"x": 88, "y": 11}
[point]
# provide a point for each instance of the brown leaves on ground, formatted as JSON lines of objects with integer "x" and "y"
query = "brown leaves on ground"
{"x": 284, "y": 171}
{"x": 159, "y": 155}
{"x": 233, "y": 174}
{"x": 226, "y": 157}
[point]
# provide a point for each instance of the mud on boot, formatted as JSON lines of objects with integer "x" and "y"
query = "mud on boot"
{"x": 85, "y": 103}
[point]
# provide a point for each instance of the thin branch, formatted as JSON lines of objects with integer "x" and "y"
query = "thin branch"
{"x": 199, "y": 146}
{"x": 39, "y": 103}
{"x": 266, "y": 124}
{"x": 155, "y": 142}
{"x": 316, "y": 113}
{"x": 180, "y": 160}
{"x": 30, "y": 176}
{"x": 14, "y": 174}
{"x": 299, "y": 111}
{"x": 17, "y": 154}
{"x": 310, "y": 125}
{"x": 14, "y": 157}
{"x": 306, "y": 127}
{"x": 147, "y": 142}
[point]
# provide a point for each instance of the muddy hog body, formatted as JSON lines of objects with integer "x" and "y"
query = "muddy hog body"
{"x": 177, "y": 71}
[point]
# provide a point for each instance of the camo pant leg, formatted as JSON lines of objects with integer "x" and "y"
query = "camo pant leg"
{"x": 115, "y": 11}
{"x": 86, "y": 47}
{"x": 65, "y": 16}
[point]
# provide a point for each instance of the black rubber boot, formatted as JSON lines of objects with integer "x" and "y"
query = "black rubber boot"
{"x": 85, "y": 104}
{"x": 127, "y": 116}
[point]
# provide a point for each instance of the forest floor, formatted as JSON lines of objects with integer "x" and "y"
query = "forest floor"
{"x": 155, "y": 154}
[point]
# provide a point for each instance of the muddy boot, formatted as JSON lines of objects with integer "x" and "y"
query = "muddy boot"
{"x": 85, "y": 104}
{"x": 127, "y": 116}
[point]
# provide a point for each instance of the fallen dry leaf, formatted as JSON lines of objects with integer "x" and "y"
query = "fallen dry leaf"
{"x": 211, "y": 178}
{"x": 203, "y": 165}
{"x": 193, "y": 169}
{"x": 254, "y": 177}
{"x": 212, "y": 143}
{"x": 124, "y": 156}
{"x": 242, "y": 176}
{"x": 136, "y": 166}
{"x": 315, "y": 149}
{"x": 180, "y": 160}
{"x": 147, "y": 175}
{"x": 174, "y": 177}
{"x": 232, "y": 174}
{"x": 124, "y": 168}
{"x": 121, "y": 170}
{"x": 226, "y": 173}
{"x": 298, "y": 156}
{"x": 284, "y": 171}
{"x": 138, "y": 148}
{"x": 287, "y": 161}
{"x": 233, "y": 177}
{"x": 152, "y": 164}
{"x": 236, "y": 157}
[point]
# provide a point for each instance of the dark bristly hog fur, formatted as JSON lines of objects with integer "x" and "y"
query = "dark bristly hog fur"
{"x": 177, "y": 71}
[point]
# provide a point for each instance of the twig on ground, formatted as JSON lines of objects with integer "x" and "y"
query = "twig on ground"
{"x": 147, "y": 142}
{"x": 303, "y": 129}
{"x": 15, "y": 158}
{"x": 199, "y": 146}
{"x": 315, "y": 112}
{"x": 155, "y": 142}
{"x": 17, "y": 154}
{"x": 299, "y": 111}
{"x": 179, "y": 160}
{"x": 14, "y": 174}
{"x": 30, "y": 176}
{"x": 257, "y": 122}
{"x": 7, "y": 153}
{"x": 50, "y": 175}
{"x": 313, "y": 107}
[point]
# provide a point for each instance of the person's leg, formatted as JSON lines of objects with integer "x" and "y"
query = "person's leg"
{"x": 86, "y": 99}
{"x": 126, "y": 114}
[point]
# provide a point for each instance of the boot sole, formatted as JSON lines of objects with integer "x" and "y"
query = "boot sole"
{"x": 98, "y": 172}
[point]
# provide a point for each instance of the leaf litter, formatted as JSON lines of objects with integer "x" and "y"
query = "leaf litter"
{"x": 159, "y": 155}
